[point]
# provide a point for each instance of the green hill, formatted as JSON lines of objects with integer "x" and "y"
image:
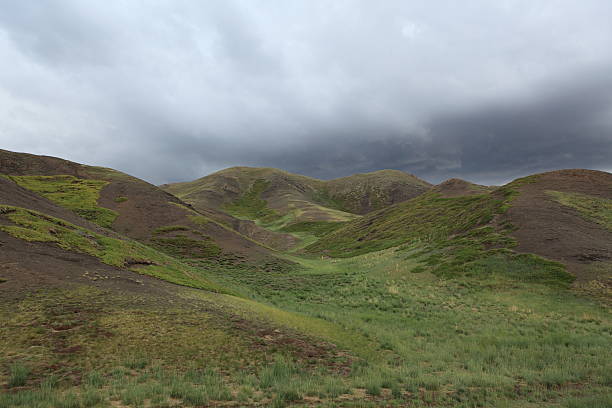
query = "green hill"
{"x": 454, "y": 232}
{"x": 303, "y": 206}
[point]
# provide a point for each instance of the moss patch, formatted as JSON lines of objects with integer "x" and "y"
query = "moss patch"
{"x": 250, "y": 205}
{"x": 78, "y": 195}
{"x": 595, "y": 209}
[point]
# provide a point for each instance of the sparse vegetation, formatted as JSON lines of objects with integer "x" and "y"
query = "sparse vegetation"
{"x": 316, "y": 228}
{"x": 30, "y": 225}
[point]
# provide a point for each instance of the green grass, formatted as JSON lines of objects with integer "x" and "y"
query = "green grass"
{"x": 449, "y": 236}
{"x": 506, "y": 332}
{"x": 30, "y": 225}
{"x": 429, "y": 218}
{"x": 250, "y": 205}
{"x": 185, "y": 247}
{"x": 18, "y": 375}
{"x": 444, "y": 315}
{"x": 593, "y": 208}
{"x": 76, "y": 194}
{"x": 496, "y": 337}
{"x": 170, "y": 228}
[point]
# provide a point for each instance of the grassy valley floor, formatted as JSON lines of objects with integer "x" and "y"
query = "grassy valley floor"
{"x": 494, "y": 339}
{"x": 401, "y": 339}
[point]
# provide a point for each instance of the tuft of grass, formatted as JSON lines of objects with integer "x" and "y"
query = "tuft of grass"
{"x": 279, "y": 372}
{"x": 120, "y": 199}
{"x": 76, "y": 194}
{"x": 18, "y": 375}
{"x": 170, "y": 228}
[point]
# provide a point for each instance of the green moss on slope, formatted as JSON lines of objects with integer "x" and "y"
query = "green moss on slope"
{"x": 78, "y": 195}
{"x": 31, "y": 225}
{"x": 595, "y": 209}
{"x": 250, "y": 205}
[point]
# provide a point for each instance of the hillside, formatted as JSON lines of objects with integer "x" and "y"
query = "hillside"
{"x": 101, "y": 309}
{"x": 303, "y": 206}
{"x": 363, "y": 193}
{"x": 456, "y": 187}
{"x": 127, "y": 205}
{"x": 562, "y": 216}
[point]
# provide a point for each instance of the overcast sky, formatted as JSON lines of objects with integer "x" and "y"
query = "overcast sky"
{"x": 173, "y": 90}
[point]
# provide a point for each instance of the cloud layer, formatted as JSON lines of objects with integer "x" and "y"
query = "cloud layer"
{"x": 172, "y": 90}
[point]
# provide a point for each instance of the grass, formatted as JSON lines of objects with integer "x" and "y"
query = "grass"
{"x": 250, "y": 205}
{"x": 316, "y": 228}
{"x": 430, "y": 308}
{"x": 76, "y": 194}
{"x": 18, "y": 375}
{"x": 183, "y": 246}
{"x": 31, "y": 225}
{"x": 595, "y": 209}
{"x": 450, "y": 236}
{"x": 494, "y": 338}
{"x": 506, "y": 332}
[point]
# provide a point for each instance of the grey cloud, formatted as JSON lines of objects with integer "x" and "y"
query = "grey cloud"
{"x": 172, "y": 90}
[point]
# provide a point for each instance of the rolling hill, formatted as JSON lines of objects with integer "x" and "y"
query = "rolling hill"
{"x": 561, "y": 216}
{"x": 127, "y": 205}
{"x": 303, "y": 206}
{"x": 114, "y": 293}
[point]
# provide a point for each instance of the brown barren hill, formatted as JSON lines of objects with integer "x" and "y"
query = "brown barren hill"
{"x": 562, "y": 232}
{"x": 143, "y": 211}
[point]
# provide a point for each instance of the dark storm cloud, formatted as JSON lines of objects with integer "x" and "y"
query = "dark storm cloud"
{"x": 172, "y": 90}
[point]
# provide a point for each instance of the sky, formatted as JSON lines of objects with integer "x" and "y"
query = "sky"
{"x": 172, "y": 90}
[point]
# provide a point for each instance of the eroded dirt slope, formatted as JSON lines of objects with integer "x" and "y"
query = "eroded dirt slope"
{"x": 558, "y": 232}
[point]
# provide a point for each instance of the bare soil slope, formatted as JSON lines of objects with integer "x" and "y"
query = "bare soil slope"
{"x": 556, "y": 231}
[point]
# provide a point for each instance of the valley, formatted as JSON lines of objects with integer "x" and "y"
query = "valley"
{"x": 254, "y": 287}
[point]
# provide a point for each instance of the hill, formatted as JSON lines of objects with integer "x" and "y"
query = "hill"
{"x": 303, "y": 206}
{"x": 456, "y": 187}
{"x": 562, "y": 216}
{"x": 101, "y": 309}
{"x": 447, "y": 299}
{"x": 127, "y": 205}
